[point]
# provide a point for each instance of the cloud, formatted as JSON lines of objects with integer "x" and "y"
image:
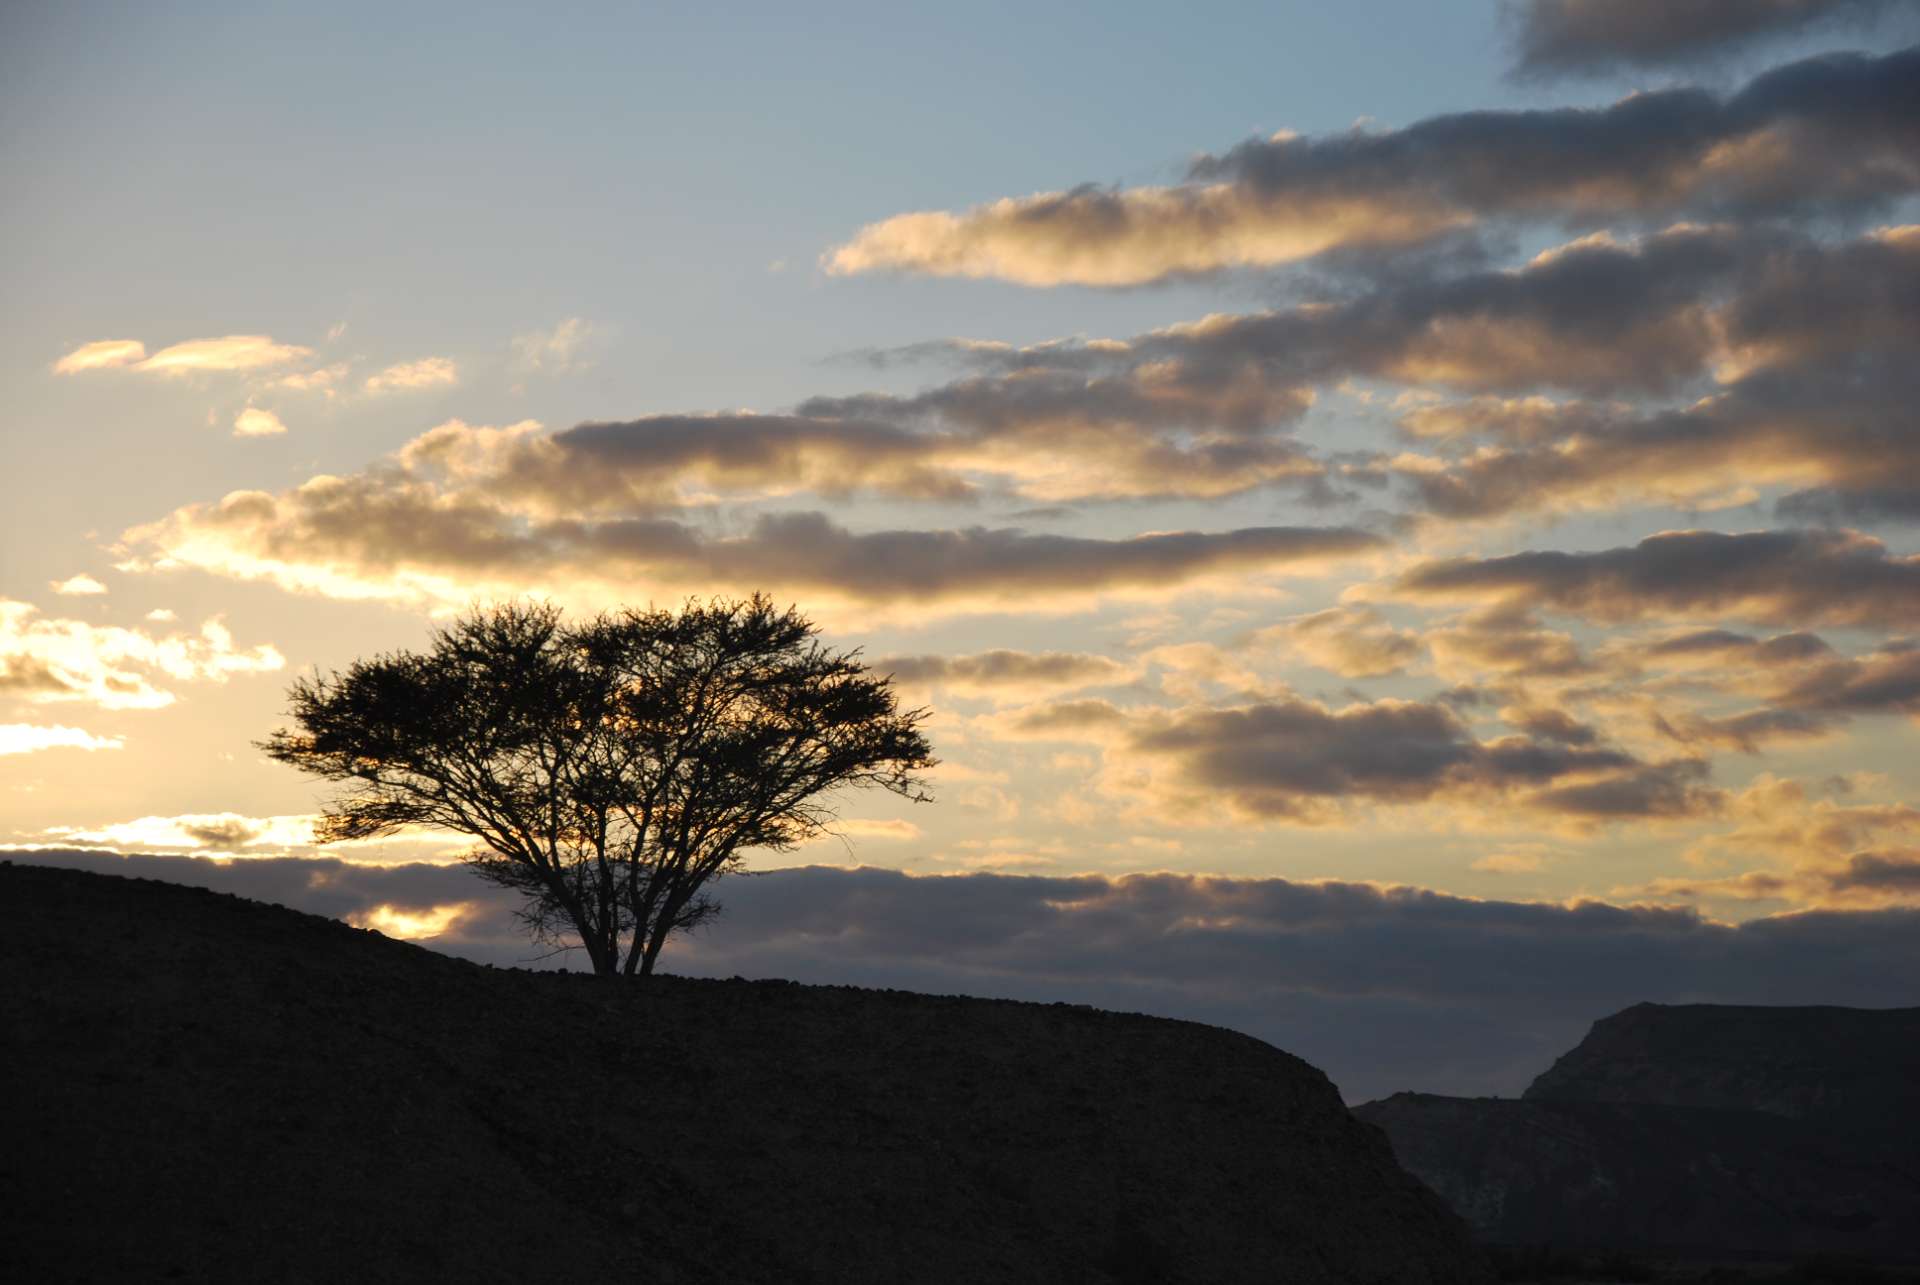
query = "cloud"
{"x": 1809, "y": 691}
{"x": 1812, "y": 348}
{"x": 1592, "y": 36}
{"x": 80, "y": 586}
{"x": 1149, "y": 430}
{"x": 214, "y": 832}
{"x": 1827, "y": 134}
{"x": 411, "y": 376}
{"x": 398, "y": 533}
{"x": 225, "y": 835}
{"x": 227, "y": 353}
{"x": 1765, "y": 312}
{"x": 46, "y": 660}
{"x": 1005, "y": 673}
{"x": 1787, "y": 577}
{"x": 1748, "y": 732}
{"x": 1354, "y": 642}
{"x": 256, "y": 421}
{"x": 1827, "y": 852}
{"x": 1886, "y": 681}
{"x": 1288, "y": 760}
{"x": 664, "y": 462}
{"x": 559, "y": 351}
{"x": 321, "y": 379}
{"x": 1508, "y": 863}
{"x": 194, "y": 356}
{"x": 1091, "y": 236}
{"x": 102, "y": 354}
{"x": 29, "y": 738}
{"x": 1385, "y": 988}
{"x": 1506, "y": 643}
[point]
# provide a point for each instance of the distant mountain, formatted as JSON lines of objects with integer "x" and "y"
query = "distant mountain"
{"x": 204, "y": 1088}
{"x": 1692, "y": 1129}
{"x": 1850, "y": 1068}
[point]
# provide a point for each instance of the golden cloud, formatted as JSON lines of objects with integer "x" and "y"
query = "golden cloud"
{"x": 102, "y": 354}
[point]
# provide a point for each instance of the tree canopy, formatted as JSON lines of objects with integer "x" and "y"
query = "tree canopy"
{"x": 610, "y": 769}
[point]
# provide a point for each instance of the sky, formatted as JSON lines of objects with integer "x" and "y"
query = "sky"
{"x": 1403, "y": 515}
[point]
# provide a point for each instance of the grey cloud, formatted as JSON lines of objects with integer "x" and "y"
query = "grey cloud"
{"x": 1290, "y": 760}
{"x": 641, "y": 466}
{"x": 1002, "y": 669}
{"x": 1724, "y": 644}
{"x": 229, "y": 833}
{"x": 838, "y": 456}
{"x": 1895, "y": 872}
{"x": 1886, "y": 681}
{"x": 1791, "y": 577}
{"x": 1835, "y": 506}
{"x": 1385, "y": 989}
{"x": 1842, "y": 124}
{"x": 1509, "y": 643}
{"x": 1821, "y": 338}
{"x": 1069, "y": 719}
{"x": 1836, "y": 134}
{"x": 1851, "y": 430}
{"x": 376, "y": 535}
{"x": 1353, "y": 642}
{"x": 806, "y": 549}
{"x": 1749, "y": 732}
{"x": 1592, "y": 316}
{"x": 1554, "y": 725}
{"x": 1818, "y": 334}
{"x": 1674, "y": 789}
{"x": 1590, "y": 36}
{"x": 1036, "y": 395}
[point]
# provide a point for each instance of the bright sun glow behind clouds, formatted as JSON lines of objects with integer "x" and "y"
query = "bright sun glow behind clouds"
{"x": 411, "y": 924}
{"x": 50, "y": 659}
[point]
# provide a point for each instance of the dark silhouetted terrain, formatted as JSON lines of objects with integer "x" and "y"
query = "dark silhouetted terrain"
{"x": 207, "y": 1088}
{"x": 1695, "y": 1129}
{"x": 1852, "y": 1069}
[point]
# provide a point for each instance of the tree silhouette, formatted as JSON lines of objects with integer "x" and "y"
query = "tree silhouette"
{"x": 610, "y": 769}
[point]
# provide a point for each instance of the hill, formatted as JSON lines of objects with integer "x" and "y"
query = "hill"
{"x": 1693, "y": 1130}
{"x": 213, "y": 1089}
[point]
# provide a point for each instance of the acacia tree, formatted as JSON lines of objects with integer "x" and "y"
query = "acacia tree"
{"x": 610, "y": 769}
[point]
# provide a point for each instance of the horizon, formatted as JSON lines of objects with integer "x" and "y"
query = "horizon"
{"x": 1399, "y": 540}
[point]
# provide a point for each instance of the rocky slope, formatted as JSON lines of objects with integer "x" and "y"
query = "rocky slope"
{"x": 1694, "y": 1129}
{"x": 211, "y": 1089}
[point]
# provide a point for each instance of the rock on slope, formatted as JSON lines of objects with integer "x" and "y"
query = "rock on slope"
{"x": 1696, "y": 1128}
{"x": 207, "y": 1088}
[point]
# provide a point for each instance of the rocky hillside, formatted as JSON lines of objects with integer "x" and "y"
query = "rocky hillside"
{"x": 1696, "y": 1130}
{"x": 1850, "y": 1068}
{"x": 206, "y": 1088}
